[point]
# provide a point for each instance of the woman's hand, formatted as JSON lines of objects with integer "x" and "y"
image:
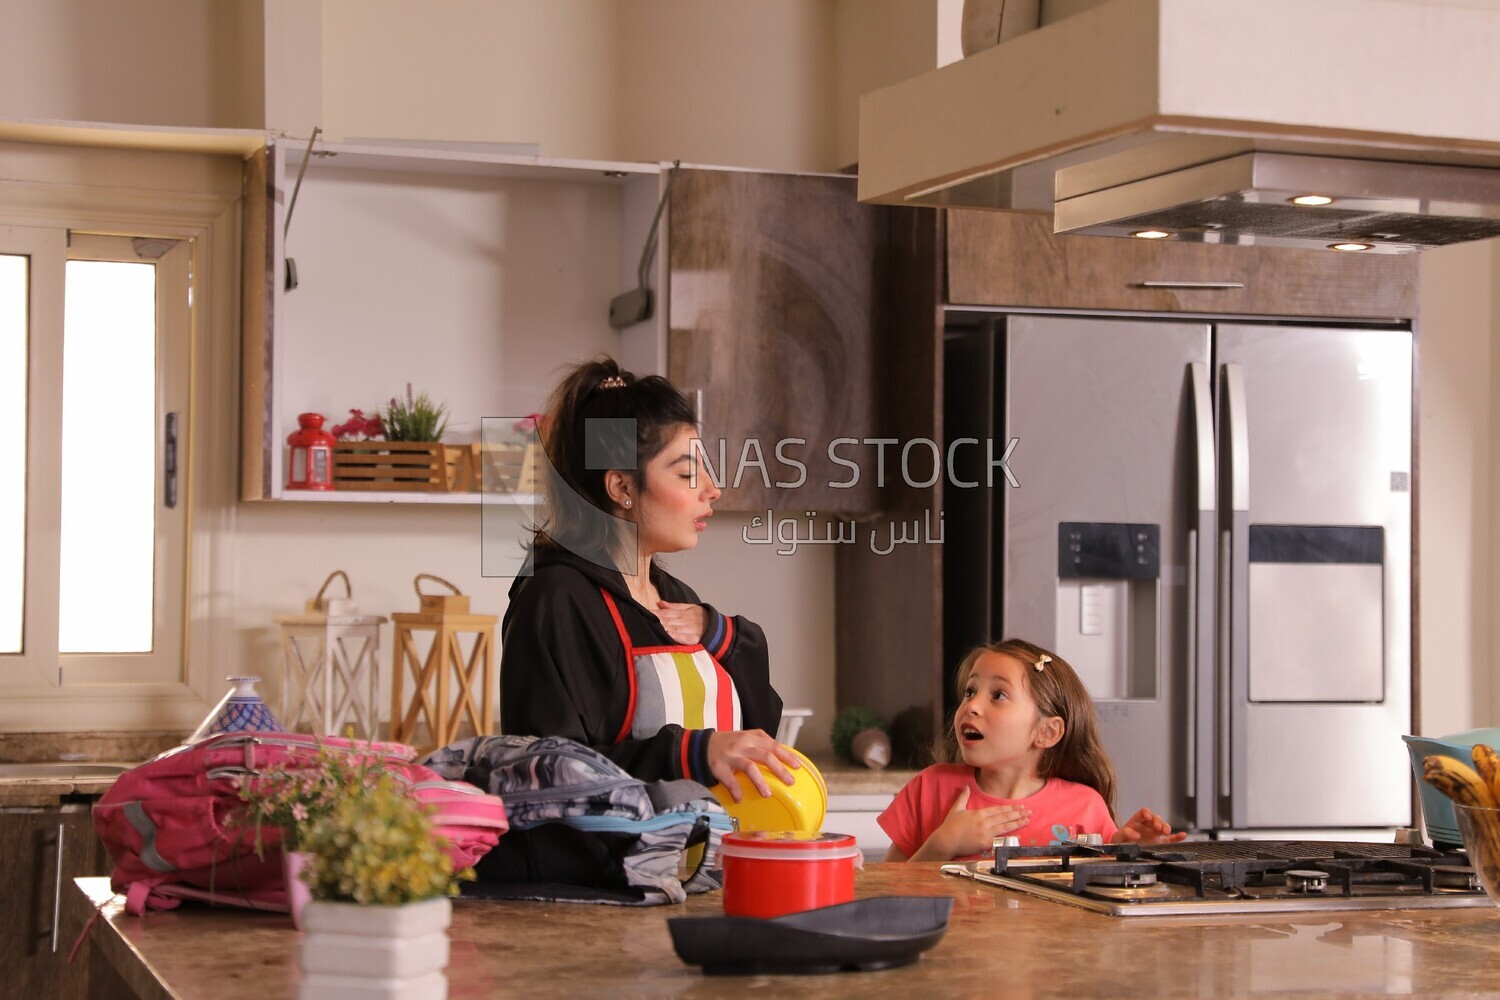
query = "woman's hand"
{"x": 683, "y": 622}
{"x": 1145, "y": 827}
{"x": 741, "y": 750}
{"x": 970, "y": 831}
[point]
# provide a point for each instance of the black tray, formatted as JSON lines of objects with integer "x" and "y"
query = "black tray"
{"x": 879, "y": 933}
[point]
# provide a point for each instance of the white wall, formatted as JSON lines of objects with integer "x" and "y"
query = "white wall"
{"x": 149, "y": 62}
{"x": 878, "y": 43}
{"x": 287, "y": 549}
{"x": 1458, "y": 461}
{"x": 741, "y": 84}
{"x": 721, "y": 83}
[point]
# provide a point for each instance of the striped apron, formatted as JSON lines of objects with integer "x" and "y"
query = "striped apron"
{"x": 684, "y": 685}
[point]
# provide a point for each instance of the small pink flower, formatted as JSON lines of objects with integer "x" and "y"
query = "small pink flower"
{"x": 299, "y": 812}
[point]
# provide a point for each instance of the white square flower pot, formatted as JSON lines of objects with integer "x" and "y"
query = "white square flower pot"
{"x": 354, "y": 951}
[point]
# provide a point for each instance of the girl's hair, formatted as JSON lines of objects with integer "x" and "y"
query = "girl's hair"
{"x": 1056, "y": 689}
{"x": 587, "y": 433}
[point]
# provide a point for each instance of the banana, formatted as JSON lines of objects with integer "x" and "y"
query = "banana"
{"x": 1465, "y": 787}
{"x": 1487, "y": 762}
{"x": 1458, "y": 781}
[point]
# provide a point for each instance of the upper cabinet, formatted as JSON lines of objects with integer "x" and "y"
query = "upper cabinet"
{"x": 476, "y": 277}
{"x": 471, "y": 276}
{"x": 774, "y": 320}
{"x": 1015, "y": 260}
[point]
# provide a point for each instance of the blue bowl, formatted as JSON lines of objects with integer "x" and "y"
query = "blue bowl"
{"x": 1437, "y": 808}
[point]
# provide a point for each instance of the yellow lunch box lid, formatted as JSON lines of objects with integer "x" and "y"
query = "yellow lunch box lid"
{"x": 799, "y": 806}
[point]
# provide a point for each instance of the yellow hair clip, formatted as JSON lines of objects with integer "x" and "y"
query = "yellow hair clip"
{"x": 1041, "y": 661}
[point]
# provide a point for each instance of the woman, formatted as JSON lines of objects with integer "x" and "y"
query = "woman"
{"x": 602, "y": 645}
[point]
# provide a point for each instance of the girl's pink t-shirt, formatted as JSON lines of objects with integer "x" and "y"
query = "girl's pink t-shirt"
{"x": 1060, "y": 811}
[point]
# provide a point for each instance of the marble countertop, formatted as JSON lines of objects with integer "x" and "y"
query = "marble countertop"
{"x": 74, "y": 748}
{"x": 998, "y": 943}
{"x": 45, "y": 794}
{"x": 843, "y": 778}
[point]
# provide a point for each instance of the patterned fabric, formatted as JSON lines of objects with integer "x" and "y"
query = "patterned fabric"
{"x": 682, "y": 685}
{"x": 549, "y": 780}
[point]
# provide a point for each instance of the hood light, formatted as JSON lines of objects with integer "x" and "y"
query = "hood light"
{"x": 1311, "y": 199}
{"x": 1151, "y": 234}
{"x": 1349, "y": 247}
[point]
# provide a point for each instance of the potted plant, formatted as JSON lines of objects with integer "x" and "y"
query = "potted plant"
{"x": 290, "y": 798}
{"x": 416, "y": 418}
{"x": 380, "y": 881}
{"x": 410, "y": 454}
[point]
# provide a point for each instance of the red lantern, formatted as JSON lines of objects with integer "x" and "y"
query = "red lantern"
{"x": 310, "y": 466}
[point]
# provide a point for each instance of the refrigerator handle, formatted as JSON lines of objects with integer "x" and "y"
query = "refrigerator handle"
{"x": 1200, "y": 648}
{"x": 1223, "y": 701}
{"x": 1235, "y": 596}
{"x": 1203, "y": 438}
{"x": 1192, "y": 671}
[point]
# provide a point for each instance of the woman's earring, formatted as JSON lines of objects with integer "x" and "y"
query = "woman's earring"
{"x": 627, "y": 503}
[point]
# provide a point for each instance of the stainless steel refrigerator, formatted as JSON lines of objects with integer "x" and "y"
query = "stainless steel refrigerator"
{"x": 1212, "y": 522}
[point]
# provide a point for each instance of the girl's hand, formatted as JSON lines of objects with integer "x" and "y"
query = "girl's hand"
{"x": 741, "y": 751}
{"x": 970, "y": 831}
{"x": 1145, "y": 827}
{"x": 683, "y": 622}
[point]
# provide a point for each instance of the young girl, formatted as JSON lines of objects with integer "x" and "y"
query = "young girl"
{"x": 1032, "y": 766}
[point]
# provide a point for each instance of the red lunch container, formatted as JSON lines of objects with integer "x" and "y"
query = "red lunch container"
{"x": 770, "y": 873}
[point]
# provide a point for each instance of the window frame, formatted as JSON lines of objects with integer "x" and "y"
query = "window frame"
{"x": 186, "y": 198}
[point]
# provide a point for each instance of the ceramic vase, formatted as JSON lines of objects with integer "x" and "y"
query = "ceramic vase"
{"x": 298, "y": 894}
{"x": 356, "y": 952}
{"x": 241, "y": 710}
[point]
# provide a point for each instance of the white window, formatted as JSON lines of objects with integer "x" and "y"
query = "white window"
{"x": 95, "y": 347}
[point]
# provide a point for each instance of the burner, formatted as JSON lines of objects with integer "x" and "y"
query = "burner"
{"x": 1235, "y": 876}
{"x": 1147, "y": 891}
{"x": 1123, "y": 880}
{"x": 1456, "y": 878}
{"x": 1306, "y": 880}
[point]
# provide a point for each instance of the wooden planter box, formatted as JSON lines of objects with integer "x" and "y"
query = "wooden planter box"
{"x": 508, "y": 468}
{"x": 416, "y": 466}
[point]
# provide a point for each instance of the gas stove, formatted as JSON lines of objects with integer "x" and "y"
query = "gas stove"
{"x": 1239, "y": 876}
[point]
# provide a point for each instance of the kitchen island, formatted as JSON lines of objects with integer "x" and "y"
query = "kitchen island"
{"x": 998, "y": 943}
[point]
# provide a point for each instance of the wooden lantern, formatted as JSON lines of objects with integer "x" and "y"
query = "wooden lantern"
{"x": 331, "y": 665}
{"x": 449, "y": 687}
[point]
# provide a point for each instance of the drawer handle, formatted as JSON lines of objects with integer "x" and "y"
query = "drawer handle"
{"x": 57, "y": 888}
{"x": 1210, "y": 285}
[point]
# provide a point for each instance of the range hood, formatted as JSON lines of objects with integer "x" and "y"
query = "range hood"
{"x": 1364, "y": 125}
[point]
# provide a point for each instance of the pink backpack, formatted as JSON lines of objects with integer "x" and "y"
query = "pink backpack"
{"x": 176, "y": 828}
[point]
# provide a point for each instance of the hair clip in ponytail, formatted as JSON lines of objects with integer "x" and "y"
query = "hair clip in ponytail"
{"x": 611, "y": 382}
{"x": 1041, "y": 661}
